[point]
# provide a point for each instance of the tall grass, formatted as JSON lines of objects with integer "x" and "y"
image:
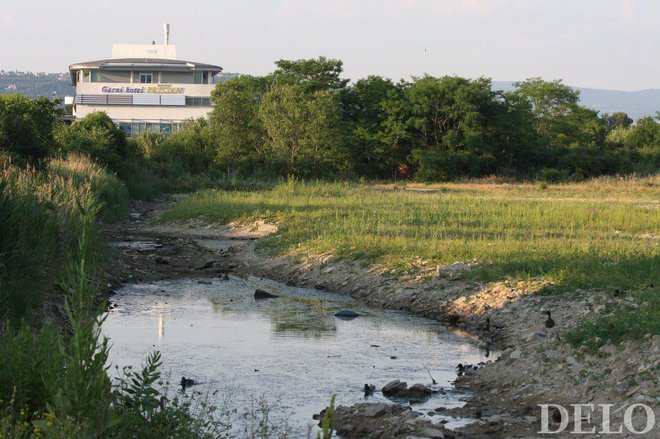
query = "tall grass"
{"x": 54, "y": 381}
{"x": 598, "y": 234}
{"x": 40, "y": 223}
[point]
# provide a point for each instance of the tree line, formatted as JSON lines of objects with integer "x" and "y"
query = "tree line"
{"x": 305, "y": 120}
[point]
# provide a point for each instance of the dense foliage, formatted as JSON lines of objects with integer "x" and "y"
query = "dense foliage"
{"x": 304, "y": 120}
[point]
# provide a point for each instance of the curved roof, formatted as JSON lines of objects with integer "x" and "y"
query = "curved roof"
{"x": 142, "y": 63}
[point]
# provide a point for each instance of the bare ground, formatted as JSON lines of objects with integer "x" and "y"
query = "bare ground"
{"x": 535, "y": 367}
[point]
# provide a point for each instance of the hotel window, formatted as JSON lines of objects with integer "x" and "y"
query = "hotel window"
{"x": 198, "y": 77}
{"x": 146, "y": 78}
{"x": 95, "y": 76}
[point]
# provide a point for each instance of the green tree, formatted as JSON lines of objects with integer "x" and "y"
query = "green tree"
{"x": 303, "y": 131}
{"x": 617, "y": 120}
{"x": 452, "y": 121}
{"x": 26, "y": 126}
{"x": 235, "y": 125}
{"x": 370, "y": 107}
{"x": 97, "y": 136}
{"x": 311, "y": 74}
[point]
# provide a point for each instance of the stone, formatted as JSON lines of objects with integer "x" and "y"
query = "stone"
{"x": 394, "y": 387}
{"x": 515, "y": 355}
{"x": 433, "y": 433}
{"x": 418, "y": 391}
{"x": 347, "y": 313}
{"x": 376, "y": 410}
{"x": 261, "y": 294}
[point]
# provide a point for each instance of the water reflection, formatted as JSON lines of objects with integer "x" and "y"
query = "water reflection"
{"x": 291, "y": 348}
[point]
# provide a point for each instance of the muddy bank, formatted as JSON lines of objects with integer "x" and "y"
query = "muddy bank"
{"x": 536, "y": 366}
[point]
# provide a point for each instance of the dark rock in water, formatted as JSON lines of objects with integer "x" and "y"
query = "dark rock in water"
{"x": 418, "y": 391}
{"x": 394, "y": 387}
{"x": 347, "y": 313}
{"x": 399, "y": 389}
{"x": 369, "y": 389}
{"x": 261, "y": 294}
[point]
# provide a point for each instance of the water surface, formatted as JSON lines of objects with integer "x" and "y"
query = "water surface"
{"x": 291, "y": 350}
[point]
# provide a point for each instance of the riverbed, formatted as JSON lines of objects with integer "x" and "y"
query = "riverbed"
{"x": 290, "y": 352}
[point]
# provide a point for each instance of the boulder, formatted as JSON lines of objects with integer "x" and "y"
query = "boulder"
{"x": 393, "y": 388}
{"x": 261, "y": 294}
{"x": 346, "y": 313}
{"x": 376, "y": 410}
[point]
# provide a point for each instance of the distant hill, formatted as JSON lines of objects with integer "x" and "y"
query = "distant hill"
{"x": 36, "y": 84}
{"x": 636, "y": 104}
{"x": 45, "y": 84}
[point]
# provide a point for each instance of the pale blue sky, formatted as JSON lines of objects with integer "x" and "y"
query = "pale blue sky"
{"x": 588, "y": 43}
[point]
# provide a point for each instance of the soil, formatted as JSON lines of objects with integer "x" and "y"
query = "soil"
{"x": 535, "y": 367}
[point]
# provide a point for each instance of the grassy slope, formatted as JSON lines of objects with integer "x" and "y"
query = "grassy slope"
{"x": 599, "y": 234}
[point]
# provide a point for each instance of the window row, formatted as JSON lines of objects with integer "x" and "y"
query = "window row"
{"x": 135, "y": 129}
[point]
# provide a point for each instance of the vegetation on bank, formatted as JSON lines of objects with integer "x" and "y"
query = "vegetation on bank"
{"x": 595, "y": 235}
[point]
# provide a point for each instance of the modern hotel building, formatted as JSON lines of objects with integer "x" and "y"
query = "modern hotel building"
{"x": 144, "y": 87}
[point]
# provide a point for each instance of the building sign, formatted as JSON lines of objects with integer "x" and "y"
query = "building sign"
{"x": 161, "y": 89}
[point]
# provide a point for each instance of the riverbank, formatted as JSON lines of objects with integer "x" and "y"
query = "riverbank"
{"x": 537, "y": 365}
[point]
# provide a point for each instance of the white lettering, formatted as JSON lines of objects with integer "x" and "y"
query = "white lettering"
{"x": 650, "y": 419}
{"x": 545, "y": 420}
{"x": 577, "y": 420}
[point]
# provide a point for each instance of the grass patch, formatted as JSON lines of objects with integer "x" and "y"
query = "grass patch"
{"x": 597, "y": 234}
{"x": 634, "y": 321}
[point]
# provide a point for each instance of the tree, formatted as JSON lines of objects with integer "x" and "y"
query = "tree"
{"x": 617, "y": 120}
{"x": 368, "y": 106}
{"x": 452, "y": 122}
{"x": 234, "y": 122}
{"x": 303, "y": 131}
{"x": 311, "y": 74}
{"x": 562, "y": 124}
{"x": 26, "y": 126}
{"x": 97, "y": 136}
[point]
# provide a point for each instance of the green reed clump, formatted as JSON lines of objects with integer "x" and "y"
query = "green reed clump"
{"x": 40, "y": 223}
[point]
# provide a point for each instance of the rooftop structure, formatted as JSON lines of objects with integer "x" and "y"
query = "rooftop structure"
{"x": 144, "y": 87}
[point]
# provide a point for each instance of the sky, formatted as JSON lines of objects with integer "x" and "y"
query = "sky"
{"x": 588, "y": 43}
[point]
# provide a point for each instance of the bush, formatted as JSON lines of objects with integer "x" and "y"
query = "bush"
{"x": 95, "y": 135}
{"x": 552, "y": 175}
{"x": 26, "y": 126}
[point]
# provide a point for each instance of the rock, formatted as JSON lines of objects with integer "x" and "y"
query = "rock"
{"x": 376, "y": 410}
{"x": 572, "y": 361}
{"x": 346, "y": 313}
{"x": 399, "y": 389}
{"x": 433, "y": 433}
{"x": 394, "y": 387}
{"x": 204, "y": 282}
{"x": 515, "y": 355}
{"x": 261, "y": 294}
{"x": 419, "y": 390}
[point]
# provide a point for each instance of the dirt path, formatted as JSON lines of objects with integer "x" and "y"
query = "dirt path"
{"x": 535, "y": 367}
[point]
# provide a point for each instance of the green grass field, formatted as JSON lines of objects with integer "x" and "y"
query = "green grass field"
{"x": 599, "y": 234}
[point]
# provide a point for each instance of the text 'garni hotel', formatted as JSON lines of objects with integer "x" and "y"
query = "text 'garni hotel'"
{"x": 144, "y": 87}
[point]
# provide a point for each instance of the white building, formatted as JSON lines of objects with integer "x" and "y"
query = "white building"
{"x": 144, "y": 87}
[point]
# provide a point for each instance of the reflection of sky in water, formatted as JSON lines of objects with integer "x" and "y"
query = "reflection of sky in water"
{"x": 290, "y": 349}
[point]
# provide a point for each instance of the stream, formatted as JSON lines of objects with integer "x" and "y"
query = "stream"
{"x": 290, "y": 352}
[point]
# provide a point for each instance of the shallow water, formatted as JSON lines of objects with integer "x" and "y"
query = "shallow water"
{"x": 291, "y": 350}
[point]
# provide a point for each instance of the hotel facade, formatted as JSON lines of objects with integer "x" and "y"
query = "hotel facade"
{"x": 144, "y": 88}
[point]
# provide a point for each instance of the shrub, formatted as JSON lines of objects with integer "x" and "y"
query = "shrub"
{"x": 95, "y": 135}
{"x": 26, "y": 126}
